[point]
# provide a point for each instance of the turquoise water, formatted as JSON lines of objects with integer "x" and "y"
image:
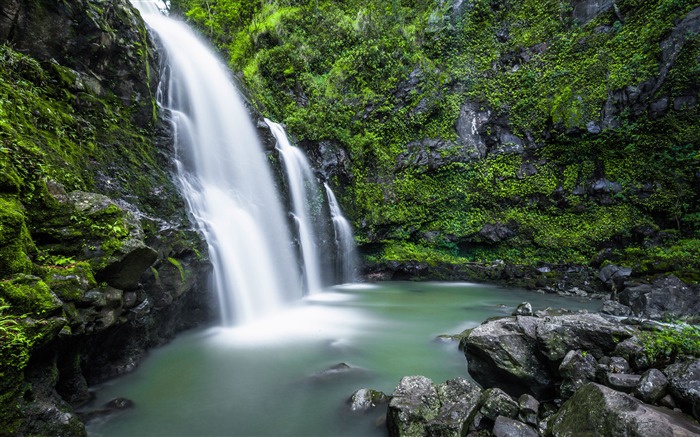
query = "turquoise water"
{"x": 262, "y": 379}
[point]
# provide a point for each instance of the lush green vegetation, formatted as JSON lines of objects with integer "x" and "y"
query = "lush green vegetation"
{"x": 671, "y": 343}
{"x": 373, "y": 77}
{"x": 60, "y": 131}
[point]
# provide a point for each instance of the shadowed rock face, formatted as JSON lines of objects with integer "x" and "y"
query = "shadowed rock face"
{"x": 103, "y": 40}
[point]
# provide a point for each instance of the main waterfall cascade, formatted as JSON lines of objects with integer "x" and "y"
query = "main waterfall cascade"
{"x": 227, "y": 181}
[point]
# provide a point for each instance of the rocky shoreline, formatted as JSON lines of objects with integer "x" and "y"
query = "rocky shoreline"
{"x": 560, "y": 373}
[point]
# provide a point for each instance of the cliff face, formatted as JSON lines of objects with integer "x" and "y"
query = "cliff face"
{"x": 98, "y": 260}
{"x": 538, "y": 133}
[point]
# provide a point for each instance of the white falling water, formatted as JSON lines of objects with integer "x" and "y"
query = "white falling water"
{"x": 346, "y": 256}
{"x": 302, "y": 186}
{"x": 225, "y": 176}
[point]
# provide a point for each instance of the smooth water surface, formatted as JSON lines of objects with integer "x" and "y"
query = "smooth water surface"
{"x": 258, "y": 380}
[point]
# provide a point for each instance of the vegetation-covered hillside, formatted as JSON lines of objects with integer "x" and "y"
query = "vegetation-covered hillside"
{"x": 523, "y": 130}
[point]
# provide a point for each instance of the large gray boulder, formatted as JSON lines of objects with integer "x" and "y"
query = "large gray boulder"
{"x": 596, "y": 410}
{"x": 665, "y": 298}
{"x": 521, "y": 354}
{"x": 419, "y": 408}
{"x": 504, "y": 353}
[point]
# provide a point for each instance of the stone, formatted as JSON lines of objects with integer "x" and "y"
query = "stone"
{"x": 615, "y": 308}
{"x": 495, "y": 402}
{"x": 652, "y": 386}
{"x": 419, "y": 408}
{"x": 599, "y": 410}
{"x": 529, "y": 409}
{"x": 517, "y": 354}
{"x": 667, "y": 297}
{"x": 684, "y": 385}
{"x": 624, "y": 382}
{"x": 503, "y": 353}
{"x": 507, "y": 427}
{"x": 576, "y": 370}
{"x": 366, "y": 399}
{"x": 524, "y": 309}
{"x": 589, "y": 332}
{"x": 614, "y": 276}
{"x": 496, "y": 232}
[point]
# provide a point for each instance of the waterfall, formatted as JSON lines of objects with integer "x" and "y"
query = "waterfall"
{"x": 306, "y": 205}
{"x": 346, "y": 256}
{"x": 224, "y": 176}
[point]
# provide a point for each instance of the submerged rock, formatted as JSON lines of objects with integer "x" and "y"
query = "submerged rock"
{"x": 366, "y": 399}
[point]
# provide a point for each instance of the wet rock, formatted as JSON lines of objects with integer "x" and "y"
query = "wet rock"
{"x": 590, "y": 332}
{"x": 507, "y": 427}
{"x": 624, "y": 382}
{"x": 335, "y": 371}
{"x": 684, "y": 385}
{"x": 418, "y": 407}
{"x": 576, "y": 370}
{"x": 614, "y": 277}
{"x": 529, "y": 409}
{"x": 598, "y": 410}
{"x": 495, "y": 233}
{"x": 652, "y": 386}
{"x": 504, "y": 353}
{"x": 665, "y": 298}
{"x": 524, "y": 309}
{"x": 615, "y": 308}
{"x": 495, "y": 402}
{"x": 112, "y": 407}
{"x": 366, "y": 399}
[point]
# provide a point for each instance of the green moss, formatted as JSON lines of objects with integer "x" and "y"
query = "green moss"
{"x": 29, "y": 294}
{"x": 179, "y": 267}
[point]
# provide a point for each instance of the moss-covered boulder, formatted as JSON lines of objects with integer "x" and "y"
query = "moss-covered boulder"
{"x": 597, "y": 410}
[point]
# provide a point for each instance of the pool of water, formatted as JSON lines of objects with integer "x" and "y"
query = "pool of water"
{"x": 264, "y": 379}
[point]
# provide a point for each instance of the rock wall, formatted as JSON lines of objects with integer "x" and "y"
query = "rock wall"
{"x": 98, "y": 259}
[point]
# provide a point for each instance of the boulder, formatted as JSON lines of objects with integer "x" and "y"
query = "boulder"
{"x": 598, "y": 410}
{"x": 652, "y": 386}
{"x": 504, "y": 354}
{"x": 665, "y": 298}
{"x": 518, "y": 354}
{"x": 524, "y": 309}
{"x": 576, "y": 370}
{"x": 506, "y": 427}
{"x": 366, "y": 399}
{"x": 529, "y": 409}
{"x": 590, "y": 332}
{"x": 684, "y": 385}
{"x": 612, "y": 275}
{"x": 624, "y": 382}
{"x": 419, "y": 408}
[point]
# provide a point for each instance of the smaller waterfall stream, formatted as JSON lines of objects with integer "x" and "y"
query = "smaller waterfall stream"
{"x": 346, "y": 256}
{"x": 306, "y": 204}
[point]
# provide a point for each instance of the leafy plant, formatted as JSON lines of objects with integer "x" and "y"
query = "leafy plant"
{"x": 672, "y": 342}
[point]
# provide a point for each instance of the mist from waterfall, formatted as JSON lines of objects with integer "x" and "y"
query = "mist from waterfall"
{"x": 224, "y": 176}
